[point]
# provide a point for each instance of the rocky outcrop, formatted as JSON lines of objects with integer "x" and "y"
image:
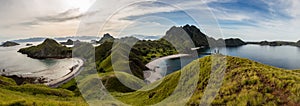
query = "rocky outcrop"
{"x": 106, "y": 37}
{"x": 48, "y": 49}
{"x": 9, "y": 43}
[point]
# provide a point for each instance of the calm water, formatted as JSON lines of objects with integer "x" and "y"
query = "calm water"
{"x": 287, "y": 57}
{"x": 15, "y": 63}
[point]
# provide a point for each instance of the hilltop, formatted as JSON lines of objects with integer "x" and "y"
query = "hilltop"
{"x": 48, "y": 49}
{"x": 106, "y": 37}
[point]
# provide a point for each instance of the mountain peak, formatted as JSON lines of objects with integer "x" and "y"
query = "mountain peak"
{"x": 50, "y": 41}
{"x": 106, "y": 37}
{"x": 48, "y": 49}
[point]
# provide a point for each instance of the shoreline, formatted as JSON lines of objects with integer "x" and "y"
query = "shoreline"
{"x": 153, "y": 64}
{"x": 74, "y": 69}
{"x": 155, "y": 71}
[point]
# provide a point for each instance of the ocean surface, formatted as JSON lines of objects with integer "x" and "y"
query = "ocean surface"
{"x": 15, "y": 63}
{"x": 286, "y": 57}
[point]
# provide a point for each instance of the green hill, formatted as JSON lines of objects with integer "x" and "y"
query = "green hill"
{"x": 245, "y": 83}
{"x": 48, "y": 49}
{"x": 12, "y": 94}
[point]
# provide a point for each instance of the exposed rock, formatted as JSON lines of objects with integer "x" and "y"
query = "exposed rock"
{"x": 9, "y": 43}
{"x": 48, "y": 49}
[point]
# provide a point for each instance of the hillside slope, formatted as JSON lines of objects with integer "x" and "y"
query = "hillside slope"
{"x": 245, "y": 83}
{"x": 12, "y": 94}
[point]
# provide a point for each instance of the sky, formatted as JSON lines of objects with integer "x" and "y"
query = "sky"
{"x": 250, "y": 20}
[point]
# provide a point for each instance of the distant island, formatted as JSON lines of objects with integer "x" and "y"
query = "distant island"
{"x": 48, "y": 49}
{"x": 9, "y": 43}
{"x": 276, "y": 43}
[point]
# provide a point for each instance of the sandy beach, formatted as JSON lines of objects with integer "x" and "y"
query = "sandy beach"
{"x": 74, "y": 71}
{"x": 158, "y": 67}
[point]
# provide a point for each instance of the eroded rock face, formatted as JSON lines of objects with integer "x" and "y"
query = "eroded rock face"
{"x": 48, "y": 49}
{"x": 9, "y": 43}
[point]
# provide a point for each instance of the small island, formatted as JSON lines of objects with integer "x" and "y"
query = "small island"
{"x": 9, "y": 44}
{"x": 276, "y": 43}
{"x": 69, "y": 42}
{"x": 48, "y": 49}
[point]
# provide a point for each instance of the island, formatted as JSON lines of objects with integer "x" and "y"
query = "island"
{"x": 48, "y": 49}
{"x": 199, "y": 39}
{"x": 276, "y": 43}
{"x": 69, "y": 42}
{"x": 9, "y": 43}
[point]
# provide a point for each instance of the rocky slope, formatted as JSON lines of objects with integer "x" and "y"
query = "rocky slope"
{"x": 48, "y": 49}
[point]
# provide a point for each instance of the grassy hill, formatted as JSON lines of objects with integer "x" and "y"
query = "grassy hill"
{"x": 31, "y": 95}
{"x": 48, "y": 49}
{"x": 245, "y": 83}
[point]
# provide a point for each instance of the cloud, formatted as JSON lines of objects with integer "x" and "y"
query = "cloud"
{"x": 68, "y": 15}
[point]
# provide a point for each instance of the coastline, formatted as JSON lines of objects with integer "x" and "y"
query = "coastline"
{"x": 153, "y": 64}
{"x": 155, "y": 72}
{"x": 75, "y": 70}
